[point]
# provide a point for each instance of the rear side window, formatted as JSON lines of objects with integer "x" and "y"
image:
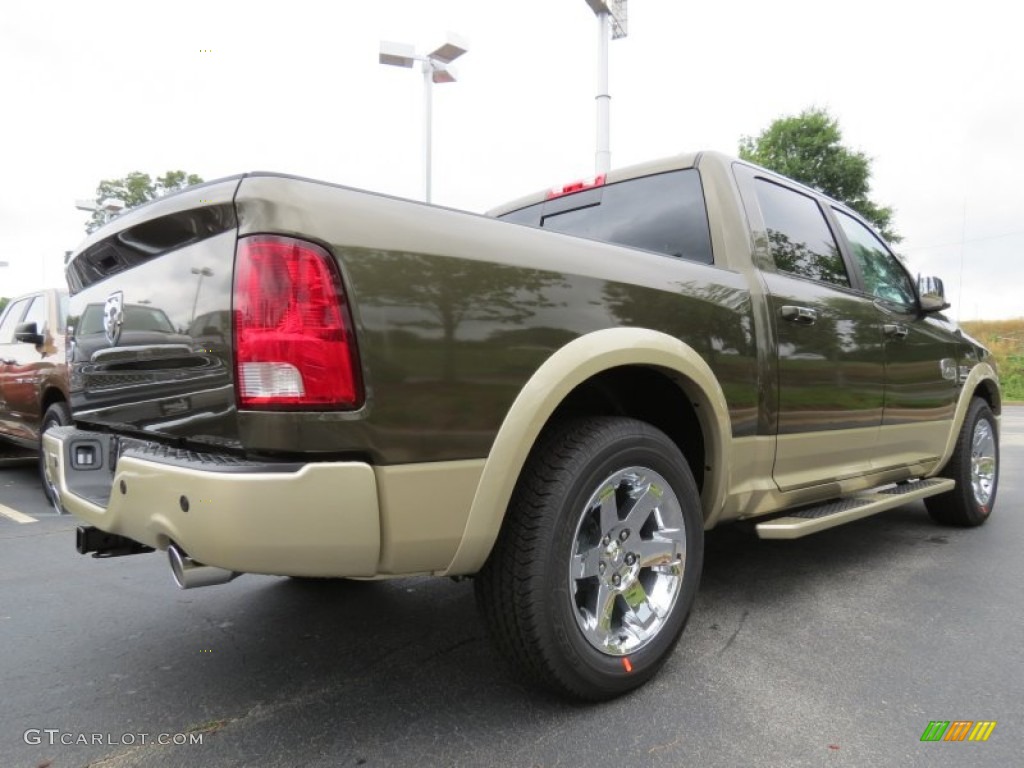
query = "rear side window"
{"x": 799, "y": 237}
{"x": 664, "y": 213}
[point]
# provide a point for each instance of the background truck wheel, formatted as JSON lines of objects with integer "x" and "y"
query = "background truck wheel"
{"x": 596, "y": 567}
{"x": 975, "y": 467}
{"x": 57, "y": 415}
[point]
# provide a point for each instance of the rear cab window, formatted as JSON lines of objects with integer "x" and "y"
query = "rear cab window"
{"x": 664, "y": 213}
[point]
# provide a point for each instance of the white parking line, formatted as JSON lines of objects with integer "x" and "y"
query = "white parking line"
{"x": 15, "y": 515}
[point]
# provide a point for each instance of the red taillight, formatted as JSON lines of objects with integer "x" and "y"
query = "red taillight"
{"x": 294, "y": 345}
{"x": 577, "y": 186}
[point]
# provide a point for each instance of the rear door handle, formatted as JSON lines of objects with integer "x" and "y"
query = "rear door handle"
{"x": 801, "y": 315}
{"x": 896, "y": 330}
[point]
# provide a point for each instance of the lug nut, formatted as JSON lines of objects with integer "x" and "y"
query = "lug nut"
{"x": 600, "y": 567}
{"x": 616, "y": 579}
{"x": 630, "y": 559}
{"x": 624, "y": 535}
{"x": 606, "y": 540}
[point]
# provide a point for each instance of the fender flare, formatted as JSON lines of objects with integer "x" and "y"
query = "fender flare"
{"x": 570, "y": 366}
{"x": 979, "y": 373}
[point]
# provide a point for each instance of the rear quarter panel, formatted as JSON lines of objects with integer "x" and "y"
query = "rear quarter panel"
{"x": 455, "y": 312}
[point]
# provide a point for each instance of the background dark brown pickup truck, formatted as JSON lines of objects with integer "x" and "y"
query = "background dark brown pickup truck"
{"x": 33, "y": 374}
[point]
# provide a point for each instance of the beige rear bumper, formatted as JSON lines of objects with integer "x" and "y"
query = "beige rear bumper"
{"x": 322, "y": 519}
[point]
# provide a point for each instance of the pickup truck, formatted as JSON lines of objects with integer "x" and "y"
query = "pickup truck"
{"x": 33, "y": 374}
{"x": 556, "y": 399}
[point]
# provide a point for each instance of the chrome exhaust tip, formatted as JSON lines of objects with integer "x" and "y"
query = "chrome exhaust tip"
{"x": 188, "y": 574}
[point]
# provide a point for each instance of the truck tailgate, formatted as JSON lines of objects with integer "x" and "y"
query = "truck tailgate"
{"x": 149, "y": 327}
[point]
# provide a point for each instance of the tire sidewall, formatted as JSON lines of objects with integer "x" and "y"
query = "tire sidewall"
{"x": 650, "y": 449}
{"x": 977, "y": 512}
{"x": 56, "y": 415}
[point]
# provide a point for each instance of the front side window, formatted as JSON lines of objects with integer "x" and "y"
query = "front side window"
{"x": 884, "y": 277}
{"x": 11, "y": 319}
{"x": 37, "y": 313}
{"x": 799, "y": 236}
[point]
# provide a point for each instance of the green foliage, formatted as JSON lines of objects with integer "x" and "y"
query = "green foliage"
{"x": 808, "y": 147}
{"x": 1005, "y": 340}
{"x": 3, "y": 303}
{"x": 137, "y": 188}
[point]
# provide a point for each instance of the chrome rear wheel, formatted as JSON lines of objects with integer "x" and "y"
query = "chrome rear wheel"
{"x": 629, "y": 556}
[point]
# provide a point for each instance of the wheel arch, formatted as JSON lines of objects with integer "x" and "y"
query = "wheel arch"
{"x": 52, "y": 394}
{"x": 602, "y": 364}
{"x": 988, "y": 390}
{"x": 981, "y": 382}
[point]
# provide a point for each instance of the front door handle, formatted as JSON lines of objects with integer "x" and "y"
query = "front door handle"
{"x": 801, "y": 315}
{"x": 896, "y": 330}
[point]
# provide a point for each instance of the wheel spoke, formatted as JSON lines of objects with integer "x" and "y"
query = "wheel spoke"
{"x": 656, "y": 552}
{"x": 604, "y": 608}
{"x": 643, "y": 507}
{"x": 642, "y": 614}
{"x": 609, "y": 511}
{"x": 585, "y": 564}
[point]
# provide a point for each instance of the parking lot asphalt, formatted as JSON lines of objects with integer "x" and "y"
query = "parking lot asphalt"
{"x": 833, "y": 650}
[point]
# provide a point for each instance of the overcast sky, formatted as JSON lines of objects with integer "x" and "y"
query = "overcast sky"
{"x": 934, "y": 93}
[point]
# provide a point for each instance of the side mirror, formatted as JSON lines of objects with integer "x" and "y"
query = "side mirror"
{"x": 932, "y": 294}
{"x": 28, "y": 333}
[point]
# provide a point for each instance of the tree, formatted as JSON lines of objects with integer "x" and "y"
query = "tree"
{"x": 3, "y": 303}
{"x": 137, "y": 188}
{"x": 808, "y": 147}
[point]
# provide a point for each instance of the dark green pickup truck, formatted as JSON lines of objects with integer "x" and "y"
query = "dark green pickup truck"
{"x": 281, "y": 376}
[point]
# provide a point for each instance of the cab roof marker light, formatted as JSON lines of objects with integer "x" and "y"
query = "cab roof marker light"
{"x": 577, "y": 186}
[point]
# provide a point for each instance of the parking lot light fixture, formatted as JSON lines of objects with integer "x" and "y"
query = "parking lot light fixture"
{"x": 436, "y": 68}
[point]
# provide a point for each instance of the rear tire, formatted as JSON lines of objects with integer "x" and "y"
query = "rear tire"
{"x": 57, "y": 415}
{"x": 596, "y": 567}
{"x": 974, "y": 466}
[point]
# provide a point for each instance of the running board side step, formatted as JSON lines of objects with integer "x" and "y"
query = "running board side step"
{"x": 832, "y": 513}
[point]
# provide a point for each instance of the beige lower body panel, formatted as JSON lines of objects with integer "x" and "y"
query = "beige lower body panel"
{"x": 424, "y": 509}
{"x": 828, "y": 465}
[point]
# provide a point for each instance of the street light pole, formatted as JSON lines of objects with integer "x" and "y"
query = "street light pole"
{"x": 611, "y": 23}
{"x": 436, "y": 69}
{"x": 428, "y": 127}
{"x": 603, "y": 155}
{"x": 201, "y": 272}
